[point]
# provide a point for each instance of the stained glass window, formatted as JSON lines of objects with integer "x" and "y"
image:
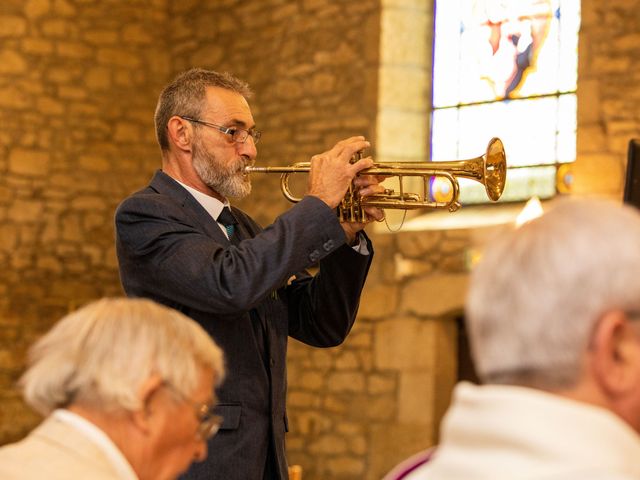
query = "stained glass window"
{"x": 508, "y": 69}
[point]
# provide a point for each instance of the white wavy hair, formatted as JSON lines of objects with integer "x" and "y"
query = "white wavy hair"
{"x": 538, "y": 292}
{"x": 99, "y": 355}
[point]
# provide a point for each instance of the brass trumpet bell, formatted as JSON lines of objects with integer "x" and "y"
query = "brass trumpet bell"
{"x": 490, "y": 169}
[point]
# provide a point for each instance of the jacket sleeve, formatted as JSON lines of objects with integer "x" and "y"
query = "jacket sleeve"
{"x": 322, "y": 309}
{"x": 165, "y": 253}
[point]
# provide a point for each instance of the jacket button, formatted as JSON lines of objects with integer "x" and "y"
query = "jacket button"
{"x": 328, "y": 245}
{"x": 314, "y": 256}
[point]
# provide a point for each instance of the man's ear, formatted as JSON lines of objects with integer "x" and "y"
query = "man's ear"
{"x": 180, "y": 133}
{"x": 615, "y": 352}
{"x": 146, "y": 393}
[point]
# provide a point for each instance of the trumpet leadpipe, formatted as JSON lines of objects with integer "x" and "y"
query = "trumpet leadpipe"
{"x": 287, "y": 169}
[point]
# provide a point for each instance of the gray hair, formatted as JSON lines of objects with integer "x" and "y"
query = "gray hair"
{"x": 186, "y": 95}
{"x": 538, "y": 292}
{"x": 99, "y": 355}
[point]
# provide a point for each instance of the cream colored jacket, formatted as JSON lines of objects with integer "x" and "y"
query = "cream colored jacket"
{"x": 55, "y": 451}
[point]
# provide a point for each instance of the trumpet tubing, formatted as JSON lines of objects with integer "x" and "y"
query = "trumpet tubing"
{"x": 490, "y": 169}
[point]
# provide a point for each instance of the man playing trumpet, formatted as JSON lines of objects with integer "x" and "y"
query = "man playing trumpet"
{"x": 179, "y": 243}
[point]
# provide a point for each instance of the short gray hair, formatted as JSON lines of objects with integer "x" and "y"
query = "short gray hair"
{"x": 538, "y": 292}
{"x": 99, "y": 355}
{"x": 186, "y": 95}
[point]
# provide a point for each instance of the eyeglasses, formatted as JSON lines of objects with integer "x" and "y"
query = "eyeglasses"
{"x": 238, "y": 135}
{"x": 209, "y": 423}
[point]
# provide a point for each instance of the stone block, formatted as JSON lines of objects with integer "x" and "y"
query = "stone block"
{"x": 12, "y": 62}
{"x": 57, "y": 28}
{"x": 302, "y": 400}
{"x": 594, "y": 173}
{"x": 358, "y": 445}
{"x": 381, "y": 408}
{"x": 61, "y": 75}
{"x": 404, "y": 344}
{"x": 34, "y": 9}
{"x": 49, "y": 106}
{"x": 347, "y": 360}
{"x": 29, "y": 162}
{"x": 25, "y": 211}
{"x": 402, "y": 133}
{"x": 611, "y": 64}
{"x": 416, "y": 398}
{"x": 12, "y": 26}
{"x": 72, "y": 93}
{"x": 420, "y": 245}
{"x": 346, "y": 382}
{"x": 94, "y": 163}
{"x": 349, "y": 429}
{"x": 591, "y": 138}
{"x": 378, "y": 301}
{"x": 321, "y": 358}
{"x": 137, "y": 33}
{"x": 404, "y": 89}
{"x": 335, "y": 404}
{"x": 116, "y": 57}
{"x": 12, "y": 97}
{"x": 436, "y": 295}
{"x": 345, "y": 467}
{"x": 126, "y": 132}
{"x": 89, "y": 203}
{"x": 99, "y": 36}
{"x": 73, "y": 50}
{"x": 71, "y": 229}
{"x": 37, "y": 46}
{"x": 381, "y": 383}
{"x": 311, "y": 423}
{"x": 360, "y": 337}
{"x": 328, "y": 445}
{"x": 8, "y": 237}
{"x": 49, "y": 263}
{"x": 400, "y": 28}
{"x": 63, "y": 8}
{"x": 311, "y": 380}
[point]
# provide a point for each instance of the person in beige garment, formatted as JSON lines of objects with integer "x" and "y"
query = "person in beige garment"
{"x": 553, "y": 314}
{"x": 125, "y": 386}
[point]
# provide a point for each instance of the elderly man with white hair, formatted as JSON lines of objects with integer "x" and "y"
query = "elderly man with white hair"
{"x": 553, "y": 314}
{"x": 126, "y": 387}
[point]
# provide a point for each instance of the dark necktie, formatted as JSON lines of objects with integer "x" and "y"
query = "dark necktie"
{"x": 228, "y": 220}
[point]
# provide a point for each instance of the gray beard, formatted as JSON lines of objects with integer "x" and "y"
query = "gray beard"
{"x": 225, "y": 180}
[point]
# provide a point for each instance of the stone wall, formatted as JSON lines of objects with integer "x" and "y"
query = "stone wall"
{"x": 78, "y": 84}
{"x": 608, "y": 94}
{"x": 78, "y": 81}
{"x": 358, "y": 409}
{"x": 312, "y": 64}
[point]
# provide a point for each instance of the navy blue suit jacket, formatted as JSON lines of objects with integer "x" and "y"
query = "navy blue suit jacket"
{"x": 171, "y": 250}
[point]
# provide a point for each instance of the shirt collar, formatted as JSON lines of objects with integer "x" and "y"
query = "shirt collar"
{"x": 211, "y": 204}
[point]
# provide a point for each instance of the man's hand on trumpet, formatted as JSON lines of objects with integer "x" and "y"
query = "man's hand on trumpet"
{"x": 368, "y": 185}
{"x": 332, "y": 173}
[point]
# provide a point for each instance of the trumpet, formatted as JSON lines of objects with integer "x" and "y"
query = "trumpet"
{"x": 490, "y": 169}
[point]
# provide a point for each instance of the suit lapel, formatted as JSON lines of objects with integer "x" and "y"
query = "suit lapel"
{"x": 164, "y": 184}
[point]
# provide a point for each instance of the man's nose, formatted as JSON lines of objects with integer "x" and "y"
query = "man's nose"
{"x": 248, "y": 148}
